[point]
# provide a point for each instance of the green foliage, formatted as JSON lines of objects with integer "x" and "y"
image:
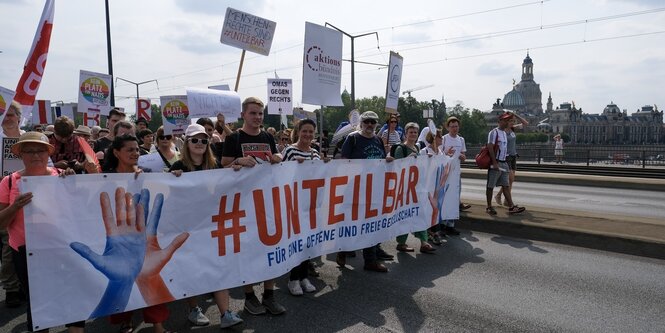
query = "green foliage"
{"x": 472, "y": 124}
{"x": 533, "y": 137}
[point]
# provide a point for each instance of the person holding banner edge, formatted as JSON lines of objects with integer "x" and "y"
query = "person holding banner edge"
{"x": 196, "y": 156}
{"x": 33, "y": 149}
{"x": 245, "y": 148}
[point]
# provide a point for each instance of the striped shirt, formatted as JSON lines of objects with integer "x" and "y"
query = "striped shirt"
{"x": 291, "y": 153}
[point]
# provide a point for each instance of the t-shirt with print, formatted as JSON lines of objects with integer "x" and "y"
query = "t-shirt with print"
{"x": 16, "y": 227}
{"x": 241, "y": 144}
{"x": 292, "y": 153}
{"x": 457, "y": 143}
{"x": 357, "y": 146}
{"x": 502, "y": 142}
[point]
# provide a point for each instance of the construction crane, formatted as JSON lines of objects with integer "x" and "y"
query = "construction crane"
{"x": 409, "y": 91}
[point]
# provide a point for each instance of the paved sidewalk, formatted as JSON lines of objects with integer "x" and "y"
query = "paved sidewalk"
{"x": 618, "y": 233}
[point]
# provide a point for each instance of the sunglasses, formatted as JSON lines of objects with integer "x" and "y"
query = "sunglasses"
{"x": 197, "y": 140}
{"x": 165, "y": 137}
{"x": 369, "y": 121}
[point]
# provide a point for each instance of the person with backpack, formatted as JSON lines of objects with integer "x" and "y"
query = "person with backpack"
{"x": 402, "y": 150}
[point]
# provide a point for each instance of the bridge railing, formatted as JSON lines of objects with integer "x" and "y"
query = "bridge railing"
{"x": 644, "y": 156}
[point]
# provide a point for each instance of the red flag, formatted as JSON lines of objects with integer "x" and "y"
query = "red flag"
{"x": 28, "y": 85}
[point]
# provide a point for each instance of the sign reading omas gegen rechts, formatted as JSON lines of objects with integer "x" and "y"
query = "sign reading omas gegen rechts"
{"x": 247, "y": 32}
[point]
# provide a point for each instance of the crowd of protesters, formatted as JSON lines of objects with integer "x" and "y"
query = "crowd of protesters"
{"x": 62, "y": 150}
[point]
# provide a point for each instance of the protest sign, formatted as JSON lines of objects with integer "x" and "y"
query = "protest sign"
{"x": 301, "y": 114}
{"x": 280, "y": 96}
{"x": 6, "y": 97}
{"x": 41, "y": 113}
{"x": 394, "y": 81}
{"x": 322, "y": 66}
{"x": 232, "y": 228}
{"x": 153, "y": 162}
{"x": 175, "y": 114}
{"x": 94, "y": 93}
{"x": 143, "y": 109}
{"x": 33, "y": 70}
{"x": 248, "y": 32}
{"x": 91, "y": 119}
{"x": 210, "y": 102}
{"x": 220, "y": 87}
{"x": 10, "y": 162}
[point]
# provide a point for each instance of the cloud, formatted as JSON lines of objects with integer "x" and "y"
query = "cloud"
{"x": 644, "y": 3}
{"x": 494, "y": 68}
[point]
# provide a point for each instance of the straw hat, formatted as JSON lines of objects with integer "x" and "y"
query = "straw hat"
{"x": 32, "y": 137}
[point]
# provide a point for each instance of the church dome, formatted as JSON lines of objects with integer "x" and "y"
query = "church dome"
{"x": 513, "y": 100}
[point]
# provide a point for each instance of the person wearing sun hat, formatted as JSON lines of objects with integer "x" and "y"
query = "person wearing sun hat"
{"x": 33, "y": 148}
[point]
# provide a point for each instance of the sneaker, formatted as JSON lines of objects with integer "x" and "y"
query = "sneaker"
{"x": 272, "y": 306}
{"x": 13, "y": 299}
{"x": 197, "y": 317}
{"x": 294, "y": 288}
{"x": 230, "y": 319}
{"x": 307, "y": 286}
{"x": 253, "y": 306}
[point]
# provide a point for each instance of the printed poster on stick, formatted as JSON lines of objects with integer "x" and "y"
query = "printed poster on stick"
{"x": 322, "y": 66}
{"x": 94, "y": 93}
{"x": 280, "y": 96}
{"x": 175, "y": 114}
{"x": 10, "y": 162}
{"x": 248, "y": 32}
{"x": 210, "y": 102}
{"x": 6, "y": 97}
{"x": 394, "y": 81}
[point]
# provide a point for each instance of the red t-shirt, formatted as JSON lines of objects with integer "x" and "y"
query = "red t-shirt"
{"x": 16, "y": 227}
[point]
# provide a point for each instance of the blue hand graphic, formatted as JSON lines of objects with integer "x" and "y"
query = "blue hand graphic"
{"x": 124, "y": 253}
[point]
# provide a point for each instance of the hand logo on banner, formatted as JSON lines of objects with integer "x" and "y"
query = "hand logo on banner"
{"x": 440, "y": 188}
{"x": 132, "y": 251}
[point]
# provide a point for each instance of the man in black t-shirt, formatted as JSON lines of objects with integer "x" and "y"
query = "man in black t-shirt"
{"x": 245, "y": 148}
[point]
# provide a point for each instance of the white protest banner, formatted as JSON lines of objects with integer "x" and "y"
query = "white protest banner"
{"x": 220, "y": 87}
{"x": 210, "y": 102}
{"x": 153, "y": 162}
{"x": 322, "y": 66}
{"x": 41, "y": 112}
{"x": 94, "y": 93}
{"x": 143, "y": 109}
{"x": 175, "y": 114}
{"x": 10, "y": 162}
{"x": 232, "y": 228}
{"x": 394, "y": 81}
{"x": 280, "y": 96}
{"x": 248, "y": 32}
{"x": 63, "y": 110}
{"x": 6, "y": 97}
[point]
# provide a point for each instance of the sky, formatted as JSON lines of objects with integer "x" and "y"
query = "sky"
{"x": 591, "y": 52}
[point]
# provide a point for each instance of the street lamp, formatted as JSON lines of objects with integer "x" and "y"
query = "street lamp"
{"x": 353, "y": 68}
{"x": 137, "y": 85}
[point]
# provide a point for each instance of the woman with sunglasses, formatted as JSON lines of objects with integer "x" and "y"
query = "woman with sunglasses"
{"x": 166, "y": 148}
{"x": 390, "y": 135}
{"x": 196, "y": 156}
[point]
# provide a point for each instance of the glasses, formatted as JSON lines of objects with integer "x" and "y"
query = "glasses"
{"x": 33, "y": 152}
{"x": 369, "y": 121}
{"x": 165, "y": 137}
{"x": 197, "y": 140}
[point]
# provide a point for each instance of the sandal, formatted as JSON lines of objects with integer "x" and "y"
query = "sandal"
{"x": 490, "y": 210}
{"x": 434, "y": 238}
{"x": 463, "y": 206}
{"x": 516, "y": 209}
{"x": 404, "y": 248}
{"x": 427, "y": 248}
